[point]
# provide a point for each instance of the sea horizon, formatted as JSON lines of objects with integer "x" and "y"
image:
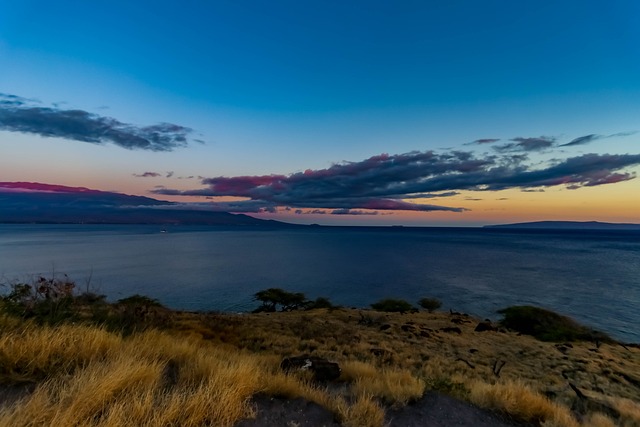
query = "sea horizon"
{"x": 588, "y": 275}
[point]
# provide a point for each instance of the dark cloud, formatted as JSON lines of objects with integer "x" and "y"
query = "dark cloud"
{"x": 381, "y": 182}
{"x": 169, "y": 174}
{"x": 527, "y": 144}
{"x": 146, "y": 175}
{"x": 352, "y": 212}
{"x": 426, "y": 195}
{"x": 26, "y": 116}
{"x": 581, "y": 140}
{"x": 483, "y": 141}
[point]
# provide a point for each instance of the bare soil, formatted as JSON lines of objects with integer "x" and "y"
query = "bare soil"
{"x": 432, "y": 410}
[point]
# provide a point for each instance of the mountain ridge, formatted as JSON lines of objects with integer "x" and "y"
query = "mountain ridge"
{"x": 29, "y": 202}
{"x": 569, "y": 225}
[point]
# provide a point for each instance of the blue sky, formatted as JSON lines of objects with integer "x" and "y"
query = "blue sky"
{"x": 282, "y": 87}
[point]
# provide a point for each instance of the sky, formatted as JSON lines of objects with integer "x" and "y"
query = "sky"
{"x": 423, "y": 113}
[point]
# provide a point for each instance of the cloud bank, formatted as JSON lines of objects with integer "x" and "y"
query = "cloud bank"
{"x": 23, "y": 115}
{"x": 385, "y": 182}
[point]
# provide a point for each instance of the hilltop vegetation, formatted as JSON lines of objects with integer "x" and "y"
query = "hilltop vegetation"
{"x": 76, "y": 359}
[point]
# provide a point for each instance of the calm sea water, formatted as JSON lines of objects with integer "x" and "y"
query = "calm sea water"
{"x": 591, "y": 276}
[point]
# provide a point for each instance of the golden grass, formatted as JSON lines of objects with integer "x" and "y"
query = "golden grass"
{"x": 29, "y": 353}
{"x": 518, "y": 400}
{"x": 205, "y": 370}
{"x": 364, "y": 412}
{"x": 102, "y": 379}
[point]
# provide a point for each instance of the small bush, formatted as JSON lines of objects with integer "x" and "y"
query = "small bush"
{"x": 319, "y": 302}
{"x": 392, "y": 305}
{"x": 136, "y": 313}
{"x": 47, "y": 301}
{"x": 546, "y": 325}
{"x": 273, "y": 297}
{"x": 430, "y": 304}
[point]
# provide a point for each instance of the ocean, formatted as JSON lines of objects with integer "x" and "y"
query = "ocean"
{"x": 592, "y": 276}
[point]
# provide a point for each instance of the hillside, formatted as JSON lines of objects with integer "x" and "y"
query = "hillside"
{"x": 23, "y": 202}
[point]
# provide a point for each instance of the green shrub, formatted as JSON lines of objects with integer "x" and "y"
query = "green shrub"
{"x": 47, "y": 301}
{"x": 273, "y": 297}
{"x": 546, "y": 325}
{"x": 319, "y": 302}
{"x": 136, "y": 313}
{"x": 392, "y": 305}
{"x": 430, "y": 304}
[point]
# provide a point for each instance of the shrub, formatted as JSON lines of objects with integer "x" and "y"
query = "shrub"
{"x": 430, "y": 304}
{"x": 546, "y": 325}
{"x": 136, "y": 313}
{"x": 392, "y": 305}
{"x": 320, "y": 302}
{"x": 273, "y": 297}
{"x": 47, "y": 301}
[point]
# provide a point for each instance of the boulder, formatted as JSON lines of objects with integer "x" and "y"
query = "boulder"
{"x": 323, "y": 370}
{"x": 485, "y": 326}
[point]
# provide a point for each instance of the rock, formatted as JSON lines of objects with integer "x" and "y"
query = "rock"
{"x": 453, "y": 329}
{"x": 408, "y": 328}
{"x": 322, "y": 369}
{"x": 385, "y": 327}
{"x": 485, "y": 326}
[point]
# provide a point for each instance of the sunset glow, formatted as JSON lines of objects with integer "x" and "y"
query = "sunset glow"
{"x": 421, "y": 114}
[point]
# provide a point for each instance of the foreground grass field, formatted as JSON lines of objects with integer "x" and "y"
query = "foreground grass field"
{"x": 195, "y": 369}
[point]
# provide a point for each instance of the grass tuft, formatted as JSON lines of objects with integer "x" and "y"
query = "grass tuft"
{"x": 518, "y": 400}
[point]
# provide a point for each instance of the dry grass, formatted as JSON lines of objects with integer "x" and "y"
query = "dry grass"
{"x": 367, "y": 344}
{"x": 518, "y": 400}
{"x": 205, "y": 369}
{"x": 97, "y": 378}
{"x": 364, "y": 412}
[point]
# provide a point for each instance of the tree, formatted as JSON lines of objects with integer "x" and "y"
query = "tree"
{"x": 392, "y": 305}
{"x": 273, "y": 297}
{"x": 430, "y": 304}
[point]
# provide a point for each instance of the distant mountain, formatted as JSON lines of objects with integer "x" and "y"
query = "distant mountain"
{"x": 569, "y": 225}
{"x": 29, "y": 202}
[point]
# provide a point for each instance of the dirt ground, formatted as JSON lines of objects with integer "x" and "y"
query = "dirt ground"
{"x": 432, "y": 410}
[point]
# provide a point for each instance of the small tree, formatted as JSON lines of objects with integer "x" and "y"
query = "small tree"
{"x": 430, "y": 304}
{"x": 392, "y": 305}
{"x": 273, "y": 297}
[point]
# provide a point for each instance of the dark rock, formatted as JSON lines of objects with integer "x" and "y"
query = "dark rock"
{"x": 322, "y": 369}
{"x": 453, "y": 329}
{"x": 438, "y": 410}
{"x": 407, "y": 328}
{"x": 473, "y": 350}
{"x": 385, "y": 327}
{"x": 485, "y": 326}
{"x": 275, "y": 412}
